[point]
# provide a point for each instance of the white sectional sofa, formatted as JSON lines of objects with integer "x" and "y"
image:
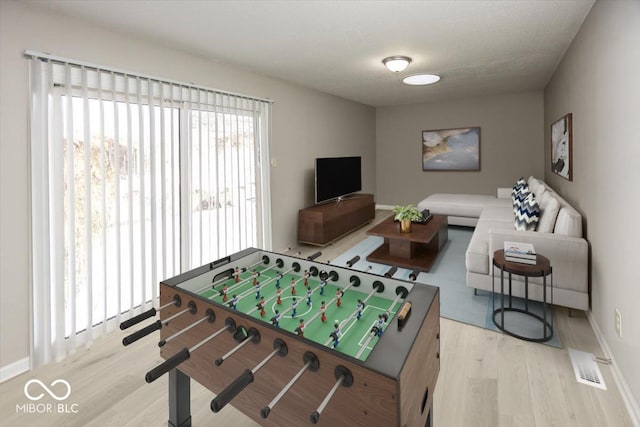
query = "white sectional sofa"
{"x": 559, "y": 239}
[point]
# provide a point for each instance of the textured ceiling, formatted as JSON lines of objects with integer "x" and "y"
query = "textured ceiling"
{"x": 478, "y": 47}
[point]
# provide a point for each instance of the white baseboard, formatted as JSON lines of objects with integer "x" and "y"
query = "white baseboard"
{"x": 14, "y": 369}
{"x": 627, "y": 396}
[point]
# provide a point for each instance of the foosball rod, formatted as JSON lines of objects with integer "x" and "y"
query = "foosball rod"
{"x": 209, "y": 315}
{"x": 371, "y": 334}
{"x": 213, "y": 284}
{"x": 311, "y": 362}
{"x": 272, "y": 279}
{"x": 252, "y": 336}
{"x": 352, "y": 261}
{"x": 249, "y": 291}
{"x": 157, "y": 325}
{"x": 278, "y": 264}
{"x": 353, "y": 282}
{"x": 230, "y": 275}
{"x": 185, "y": 353}
{"x": 344, "y": 378}
{"x": 246, "y": 378}
{"x": 191, "y": 309}
{"x": 377, "y": 287}
{"x": 177, "y": 301}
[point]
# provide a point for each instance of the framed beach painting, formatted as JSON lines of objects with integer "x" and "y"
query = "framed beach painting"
{"x": 451, "y": 149}
{"x": 562, "y": 147}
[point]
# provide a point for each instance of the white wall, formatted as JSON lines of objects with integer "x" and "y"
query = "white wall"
{"x": 598, "y": 81}
{"x": 306, "y": 124}
{"x": 511, "y": 145}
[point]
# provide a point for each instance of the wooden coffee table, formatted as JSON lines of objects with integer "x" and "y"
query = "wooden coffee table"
{"x": 417, "y": 249}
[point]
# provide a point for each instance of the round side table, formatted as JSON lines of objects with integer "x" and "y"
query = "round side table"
{"x": 542, "y": 268}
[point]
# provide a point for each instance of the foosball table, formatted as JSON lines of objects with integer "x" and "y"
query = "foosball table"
{"x": 292, "y": 342}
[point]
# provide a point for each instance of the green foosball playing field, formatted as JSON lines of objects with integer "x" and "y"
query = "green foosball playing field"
{"x": 355, "y": 337}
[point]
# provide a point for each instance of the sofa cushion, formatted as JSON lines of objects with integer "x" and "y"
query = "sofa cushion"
{"x": 462, "y": 205}
{"x": 568, "y": 222}
{"x": 477, "y": 255}
{"x": 528, "y": 215}
{"x": 537, "y": 187}
{"x": 549, "y": 207}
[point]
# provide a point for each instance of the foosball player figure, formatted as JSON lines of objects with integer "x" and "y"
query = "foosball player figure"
{"x": 255, "y": 277}
{"x": 223, "y": 292}
{"x": 279, "y": 294}
{"x": 275, "y": 320}
{"x": 234, "y": 302}
{"x": 323, "y": 283}
{"x": 236, "y": 275}
{"x": 278, "y": 278}
{"x": 323, "y": 309}
{"x": 294, "y": 307}
{"x": 257, "y": 289}
{"x": 300, "y": 329}
{"x": 360, "y": 308}
{"x": 260, "y": 306}
{"x": 293, "y": 286}
{"x": 379, "y": 324}
{"x": 306, "y": 278}
{"x": 309, "y": 293}
{"x": 335, "y": 335}
{"x": 339, "y": 294}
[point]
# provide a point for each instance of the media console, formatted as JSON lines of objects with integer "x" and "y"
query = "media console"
{"x": 324, "y": 223}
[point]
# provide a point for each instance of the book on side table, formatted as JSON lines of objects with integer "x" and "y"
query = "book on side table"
{"x": 523, "y": 253}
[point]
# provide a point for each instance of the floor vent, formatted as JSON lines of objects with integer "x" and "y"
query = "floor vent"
{"x": 586, "y": 368}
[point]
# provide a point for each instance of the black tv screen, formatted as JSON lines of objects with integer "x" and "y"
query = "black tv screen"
{"x": 337, "y": 176}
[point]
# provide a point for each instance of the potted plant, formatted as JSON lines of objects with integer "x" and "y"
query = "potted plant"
{"x": 405, "y": 214}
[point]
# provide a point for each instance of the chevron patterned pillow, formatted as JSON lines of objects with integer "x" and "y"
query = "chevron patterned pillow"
{"x": 518, "y": 194}
{"x": 528, "y": 214}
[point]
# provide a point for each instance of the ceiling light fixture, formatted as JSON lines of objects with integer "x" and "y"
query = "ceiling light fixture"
{"x": 396, "y": 63}
{"x": 421, "y": 79}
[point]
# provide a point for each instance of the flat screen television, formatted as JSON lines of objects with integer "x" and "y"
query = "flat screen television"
{"x": 337, "y": 177}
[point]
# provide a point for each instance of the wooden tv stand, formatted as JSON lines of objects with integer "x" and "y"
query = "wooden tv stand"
{"x": 324, "y": 223}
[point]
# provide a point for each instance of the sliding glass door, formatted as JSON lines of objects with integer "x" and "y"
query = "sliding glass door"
{"x": 133, "y": 180}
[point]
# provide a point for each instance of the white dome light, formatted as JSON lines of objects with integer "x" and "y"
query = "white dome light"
{"x": 396, "y": 63}
{"x": 421, "y": 79}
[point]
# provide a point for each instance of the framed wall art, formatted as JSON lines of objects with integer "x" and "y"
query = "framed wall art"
{"x": 562, "y": 147}
{"x": 451, "y": 149}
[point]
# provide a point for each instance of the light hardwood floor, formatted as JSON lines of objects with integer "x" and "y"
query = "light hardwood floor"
{"x": 486, "y": 379}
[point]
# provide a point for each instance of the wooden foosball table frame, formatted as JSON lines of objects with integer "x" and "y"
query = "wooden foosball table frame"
{"x": 393, "y": 387}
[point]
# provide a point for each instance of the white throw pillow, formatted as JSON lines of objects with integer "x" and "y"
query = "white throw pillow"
{"x": 549, "y": 207}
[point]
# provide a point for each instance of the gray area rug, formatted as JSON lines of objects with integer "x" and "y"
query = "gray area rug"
{"x": 457, "y": 301}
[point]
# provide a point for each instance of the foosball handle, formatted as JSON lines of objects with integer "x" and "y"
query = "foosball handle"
{"x": 391, "y": 272}
{"x": 315, "y": 417}
{"x": 167, "y": 365}
{"x": 353, "y": 260}
{"x": 232, "y": 390}
{"x": 141, "y": 333}
{"x": 264, "y": 412}
{"x": 137, "y": 319}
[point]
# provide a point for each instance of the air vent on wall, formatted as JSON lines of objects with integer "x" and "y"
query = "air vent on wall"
{"x": 586, "y": 368}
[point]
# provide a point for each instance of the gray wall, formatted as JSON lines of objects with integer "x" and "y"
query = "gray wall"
{"x": 511, "y": 145}
{"x": 597, "y": 81}
{"x": 306, "y": 124}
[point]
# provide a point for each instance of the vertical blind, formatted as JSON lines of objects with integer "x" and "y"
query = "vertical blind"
{"x": 133, "y": 180}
